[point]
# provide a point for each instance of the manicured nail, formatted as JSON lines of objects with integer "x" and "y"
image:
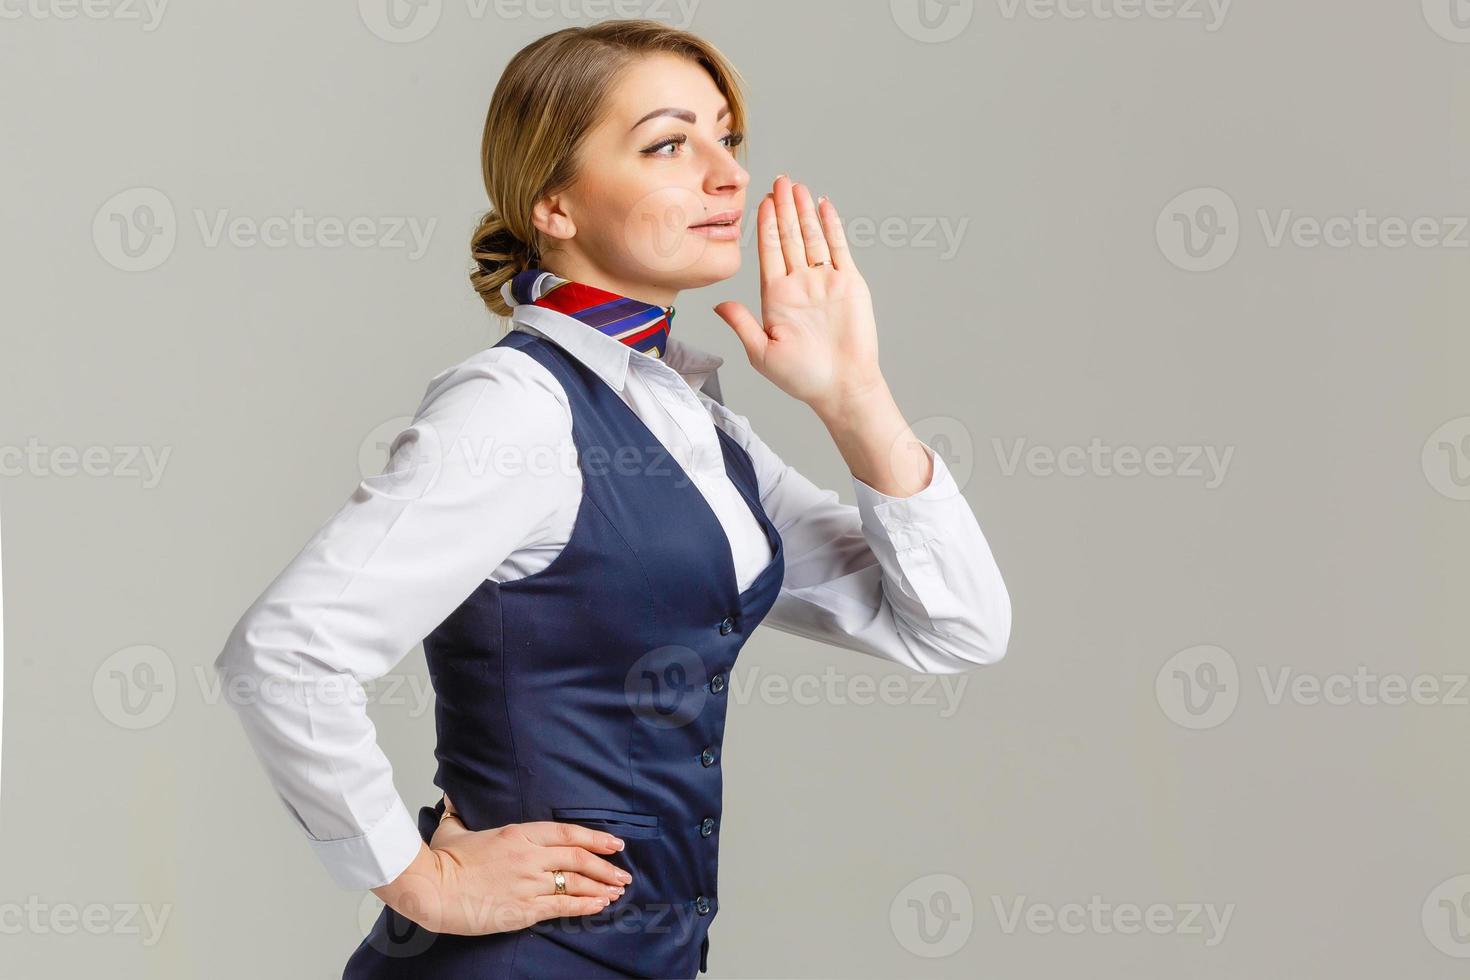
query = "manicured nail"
{"x": 821, "y": 199}
{"x": 615, "y": 842}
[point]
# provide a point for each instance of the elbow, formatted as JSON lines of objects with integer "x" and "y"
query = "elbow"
{"x": 998, "y": 633}
{"x": 985, "y": 652}
{"x": 237, "y": 653}
{"x": 243, "y": 664}
{"x": 229, "y": 656}
{"x": 227, "y": 660}
{"x": 232, "y": 662}
{"x": 980, "y": 641}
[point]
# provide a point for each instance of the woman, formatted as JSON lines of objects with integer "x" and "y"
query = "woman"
{"x": 583, "y": 537}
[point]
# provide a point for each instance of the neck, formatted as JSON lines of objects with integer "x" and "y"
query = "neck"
{"x": 590, "y": 275}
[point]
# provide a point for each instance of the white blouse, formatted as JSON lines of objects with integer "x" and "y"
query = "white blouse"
{"x": 484, "y": 484}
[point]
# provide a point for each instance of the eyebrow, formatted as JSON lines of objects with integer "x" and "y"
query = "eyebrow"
{"x": 683, "y": 114}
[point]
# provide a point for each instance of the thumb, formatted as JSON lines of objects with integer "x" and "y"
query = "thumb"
{"x": 450, "y": 829}
{"x": 752, "y": 335}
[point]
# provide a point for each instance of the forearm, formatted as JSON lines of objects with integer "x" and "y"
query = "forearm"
{"x": 875, "y": 440}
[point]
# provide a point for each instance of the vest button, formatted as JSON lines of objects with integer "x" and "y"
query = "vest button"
{"x": 707, "y": 826}
{"x": 726, "y": 625}
{"x": 717, "y": 683}
{"x": 707, "y": 757}
{"x": 701, "y": 905}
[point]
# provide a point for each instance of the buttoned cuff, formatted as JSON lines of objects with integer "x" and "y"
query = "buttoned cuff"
{"x": 918, "y": 518}
{"x": 376, "y": 857}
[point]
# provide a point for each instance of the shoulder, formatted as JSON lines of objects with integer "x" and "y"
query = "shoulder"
{"x": 496, "y": 397}
{"x": 499, "y": 373}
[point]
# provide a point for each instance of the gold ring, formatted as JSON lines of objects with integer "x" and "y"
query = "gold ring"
{"x": 815, "y": 264}
{"x": 561, "y": 882}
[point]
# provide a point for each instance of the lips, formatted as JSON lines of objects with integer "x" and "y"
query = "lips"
{"x": 723, "y": 218}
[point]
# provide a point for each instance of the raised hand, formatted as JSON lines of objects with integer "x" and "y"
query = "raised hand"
{"x": 817, "y": 338}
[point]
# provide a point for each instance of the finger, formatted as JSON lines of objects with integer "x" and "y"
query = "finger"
{"x": 552, "y": 832}
{"x": 813, "y": 238}
{"x": 555, "y": 906}
{"x": 579, "y": 884}
{"x": 792, "y": 249}
{"x": 768, "y": 240}
{"x": 752, "y": 335}
{"x": 836, "y": 236}
{"x": 583, "y": 862}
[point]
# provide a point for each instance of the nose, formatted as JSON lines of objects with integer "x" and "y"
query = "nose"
{"x": 726, "y": 175}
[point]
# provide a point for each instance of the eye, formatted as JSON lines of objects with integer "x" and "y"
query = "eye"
{"x": 654, "y": 150}
{"x": 731, "y": 140}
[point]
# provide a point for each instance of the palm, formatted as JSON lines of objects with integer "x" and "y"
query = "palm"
{"x": 817, "y": 338}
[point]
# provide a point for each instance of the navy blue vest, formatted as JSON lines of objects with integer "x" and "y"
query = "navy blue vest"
{"x": 594, "y": 692}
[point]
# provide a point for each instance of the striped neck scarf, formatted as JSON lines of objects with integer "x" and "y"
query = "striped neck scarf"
{"x": 642, "y": 326}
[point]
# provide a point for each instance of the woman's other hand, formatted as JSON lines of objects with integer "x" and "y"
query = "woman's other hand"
{"x": 470, "y": 883}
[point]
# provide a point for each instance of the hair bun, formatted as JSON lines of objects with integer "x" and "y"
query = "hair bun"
{"x": 499, "y": 254}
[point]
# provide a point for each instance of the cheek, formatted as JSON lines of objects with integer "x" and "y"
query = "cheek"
{"x": 655, "y": 229}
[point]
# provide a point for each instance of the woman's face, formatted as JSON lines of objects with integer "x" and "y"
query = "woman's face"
{"x": 658, "y": 165}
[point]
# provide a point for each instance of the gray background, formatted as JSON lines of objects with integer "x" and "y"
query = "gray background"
{"x": 1081, "y": 766}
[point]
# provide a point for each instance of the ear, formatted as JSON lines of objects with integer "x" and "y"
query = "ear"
{"x": 551, "y": 218}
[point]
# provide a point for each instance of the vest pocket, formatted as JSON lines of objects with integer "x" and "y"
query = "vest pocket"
{"x": 620, "y": 823}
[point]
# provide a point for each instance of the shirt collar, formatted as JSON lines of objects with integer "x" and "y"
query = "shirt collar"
{"x": 607, "y": 357}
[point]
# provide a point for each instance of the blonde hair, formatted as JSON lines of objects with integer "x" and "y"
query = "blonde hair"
{"x": 550, "y": 96}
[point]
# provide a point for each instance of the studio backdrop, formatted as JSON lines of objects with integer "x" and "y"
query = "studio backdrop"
{"x": 1177, "y": 289}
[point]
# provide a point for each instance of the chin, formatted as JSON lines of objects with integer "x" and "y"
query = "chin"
{"x": 715, "y": 264}
{"x": 695, "y": 264}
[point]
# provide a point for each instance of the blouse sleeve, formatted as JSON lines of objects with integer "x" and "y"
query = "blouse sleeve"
{"x": 908, "y": 579}
{"x": 461, "y": 490}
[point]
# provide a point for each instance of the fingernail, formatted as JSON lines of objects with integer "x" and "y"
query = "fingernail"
{"x": 779, "y": 176}
{"x": 627, "y": 879}
{"x": 616, "y": 842}
{"x": 821, "y": 199}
